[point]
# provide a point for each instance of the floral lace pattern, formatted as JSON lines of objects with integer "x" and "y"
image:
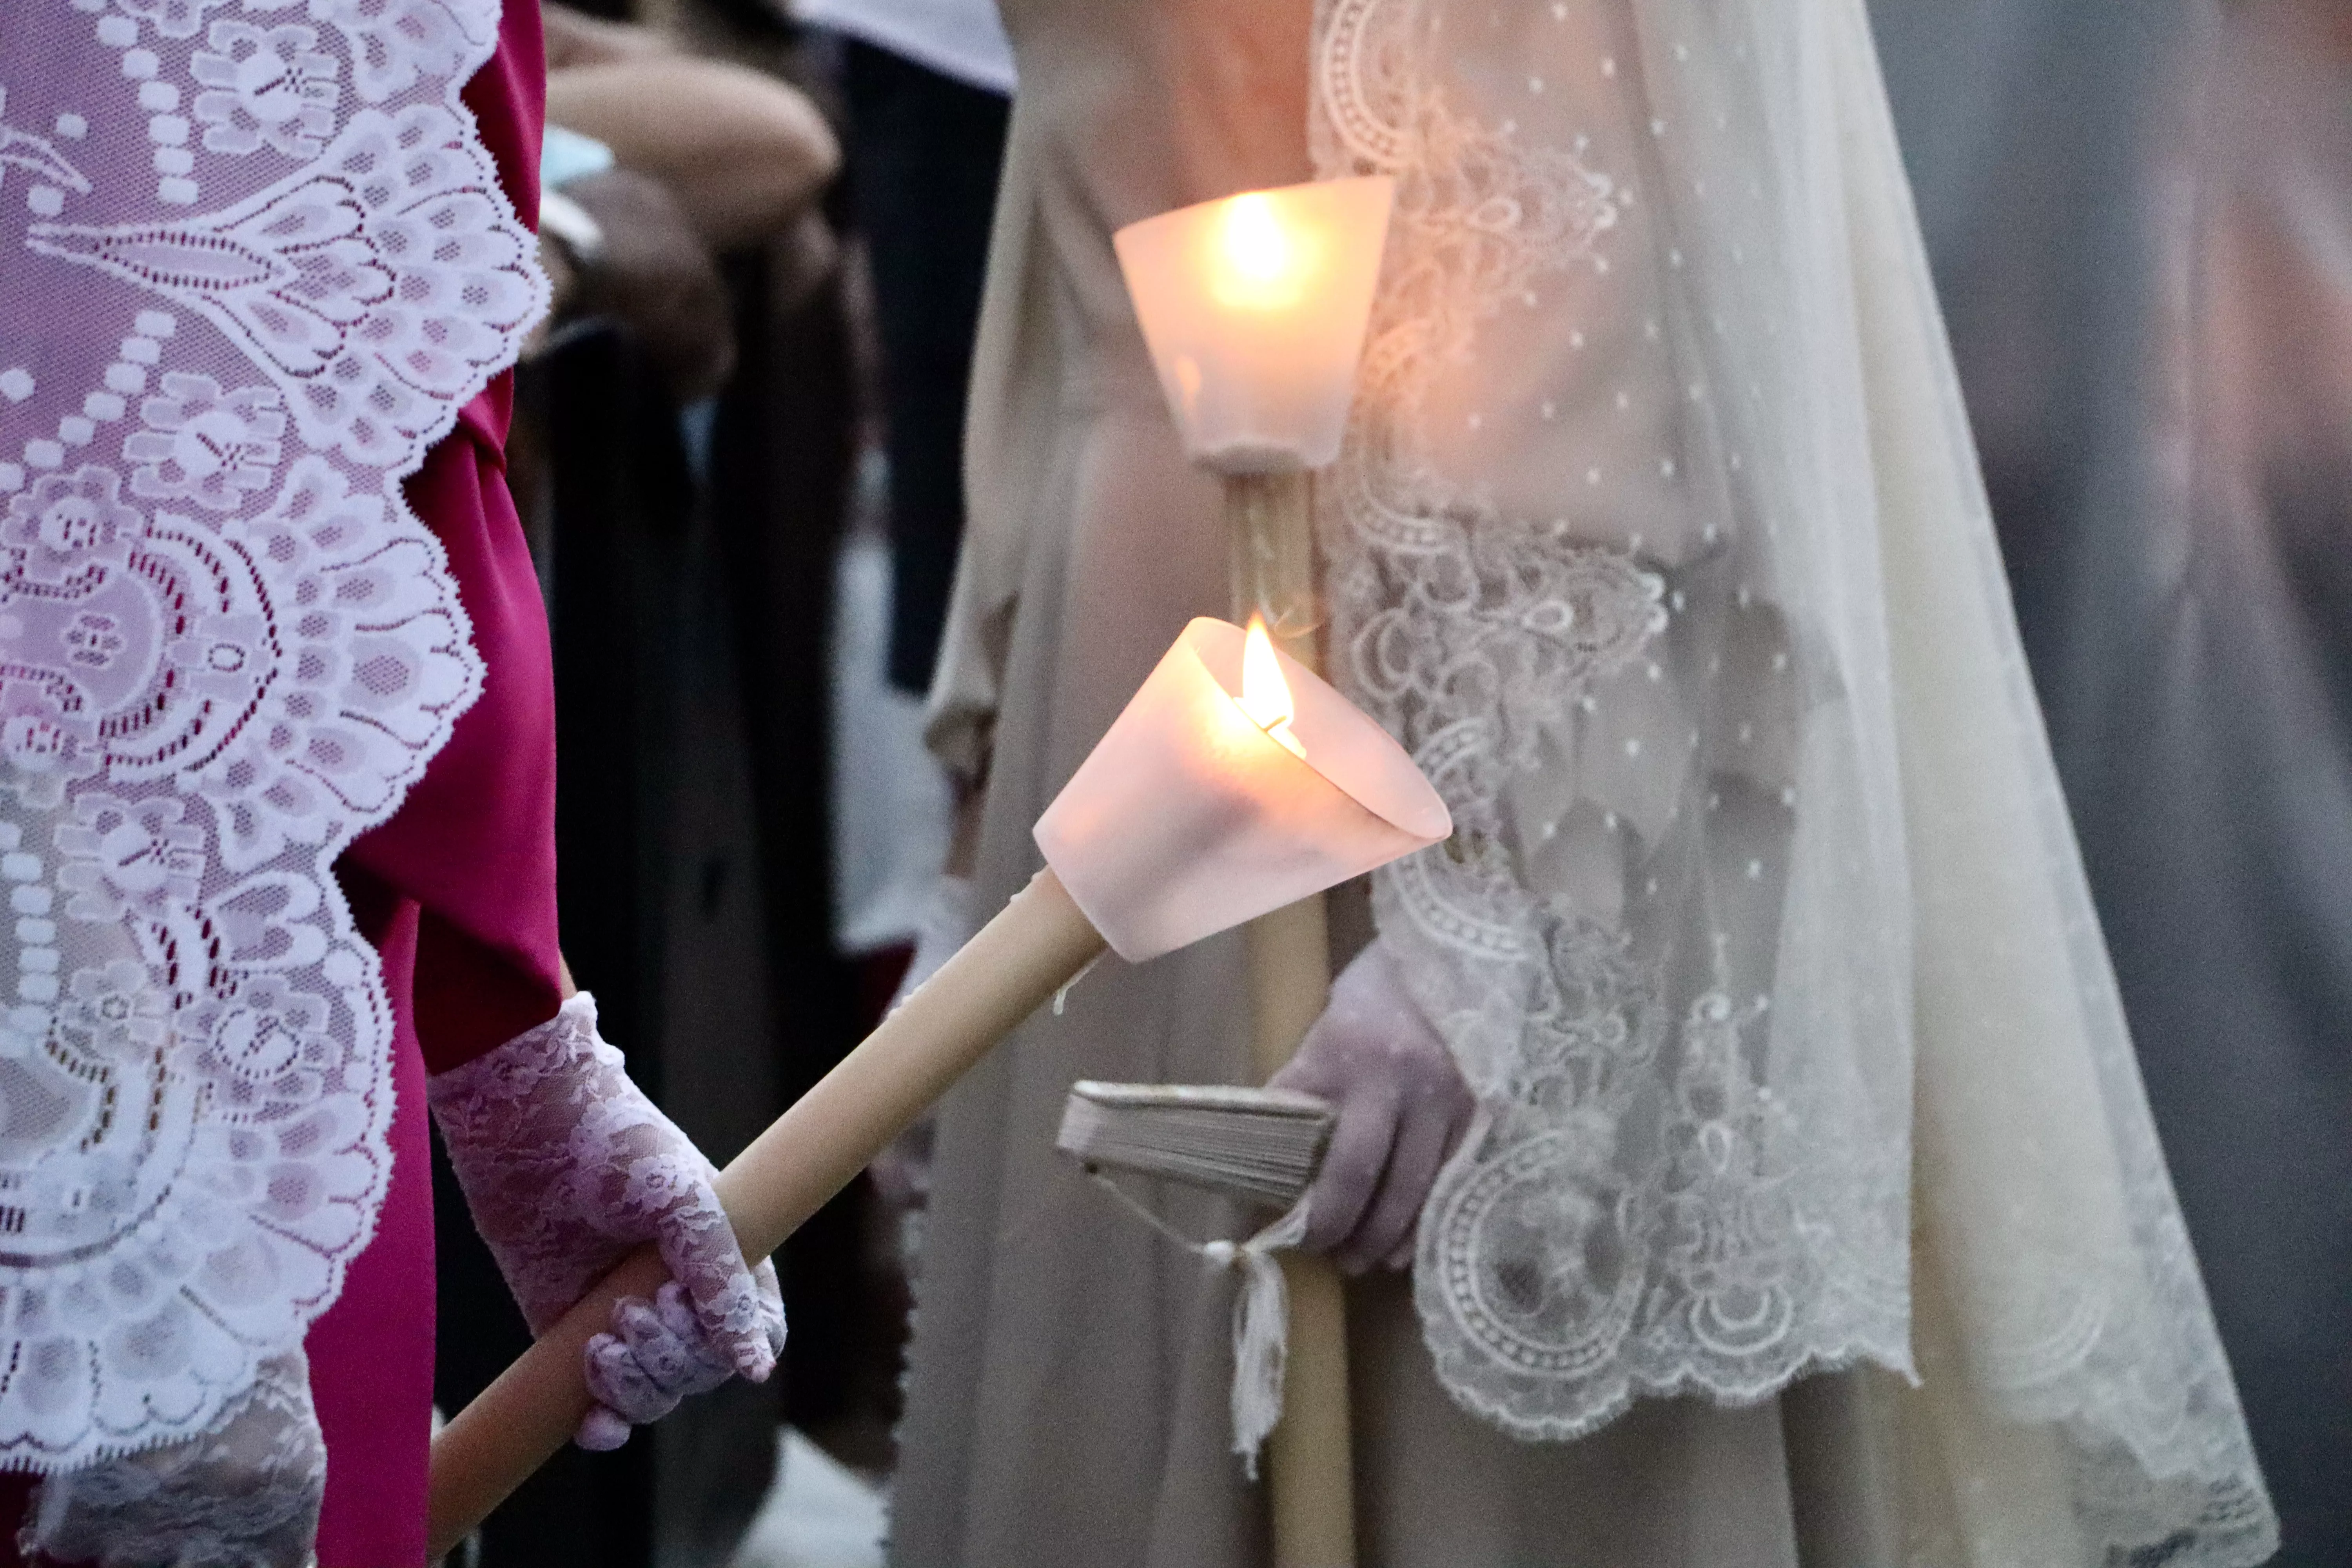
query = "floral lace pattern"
{"x": 1656, "y": 498}
{"x": 256, "y": 259}
{"x": 1640, "y": 1209}
{"x": 567, "y": 1167}
{"x": 243, "y": 1495}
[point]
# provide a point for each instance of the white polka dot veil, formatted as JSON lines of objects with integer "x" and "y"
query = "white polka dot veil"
{"x": 1762, "y": 937}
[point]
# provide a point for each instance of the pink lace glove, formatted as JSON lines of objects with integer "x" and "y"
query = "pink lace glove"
{"x": 244, "y": 1495}
{"x": 567, "y": 1167}
{"x": 1402, "y": 1106}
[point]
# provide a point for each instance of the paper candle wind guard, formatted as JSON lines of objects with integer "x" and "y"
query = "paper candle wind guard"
{"x": 1188, "y": 818}
{"x": 1254, "y": 307}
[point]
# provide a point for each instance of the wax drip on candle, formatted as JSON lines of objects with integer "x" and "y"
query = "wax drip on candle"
{"x": 1062, "y": 996}
{"x": 1265, "y": 695}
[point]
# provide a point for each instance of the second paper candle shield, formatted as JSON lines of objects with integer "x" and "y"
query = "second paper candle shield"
{"x": 1189, "y": 818}
{"x": 1254, "y": 309}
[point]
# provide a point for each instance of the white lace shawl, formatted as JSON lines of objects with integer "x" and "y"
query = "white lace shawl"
{"x": 253, "y": 260}
{"x": 1762, "y": 937}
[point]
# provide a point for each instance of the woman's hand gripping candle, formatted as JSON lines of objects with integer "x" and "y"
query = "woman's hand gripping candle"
{"x": 567, "y": 1168}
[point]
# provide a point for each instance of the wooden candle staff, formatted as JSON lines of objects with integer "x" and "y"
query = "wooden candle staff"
{"x": 1255, "y": 309}
{"x": 1310, "y": 1453}
{"x": 1190, "y": 817}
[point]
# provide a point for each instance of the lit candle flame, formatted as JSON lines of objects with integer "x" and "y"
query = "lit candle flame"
{"x": 1266, "y": 266}
{"x": 1266, "y": 696}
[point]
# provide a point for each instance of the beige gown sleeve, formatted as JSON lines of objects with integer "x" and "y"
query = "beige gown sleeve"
{"x": 1007, "y": 454}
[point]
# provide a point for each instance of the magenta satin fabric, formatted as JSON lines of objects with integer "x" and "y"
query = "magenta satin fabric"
{"x": 457, "y": 893}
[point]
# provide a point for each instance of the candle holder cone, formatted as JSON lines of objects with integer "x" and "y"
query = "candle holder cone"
{"x": 1253, "y": 307}
{"x": 1189, "y": 819}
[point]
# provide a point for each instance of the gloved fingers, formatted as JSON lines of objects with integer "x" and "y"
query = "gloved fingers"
{"x": 1401, "y": 1258}
{"x": 1427, "y": 1125}
{"x": 700, "y": 1247}
{"x": 622, "y": 1387}
{"x": 1436, "y": 1113}
{"x": 1457, "y": 1126}
{"x": 655, "y": 1355}
{"x": 601, "y": 1431}
{"x": 1350, "y": 1175}
{"x": 1307, "y": 1071}
{"x": 666, "y": 1338}
{"x": 771, "y": 1307}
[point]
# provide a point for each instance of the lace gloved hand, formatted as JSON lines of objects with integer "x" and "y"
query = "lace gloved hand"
{"x": 1402, "y": 1106}
{"x": 567, "y": 1167}
{"x": 657, "y": 1354}
{"x": 243, "y": 1496}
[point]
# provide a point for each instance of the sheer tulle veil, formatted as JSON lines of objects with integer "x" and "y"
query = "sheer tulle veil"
{"x": 1763, "y": 937}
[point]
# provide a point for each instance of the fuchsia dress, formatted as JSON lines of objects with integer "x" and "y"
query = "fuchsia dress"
{"x": 457, "y": 893}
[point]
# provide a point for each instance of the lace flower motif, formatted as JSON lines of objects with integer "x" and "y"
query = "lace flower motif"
{"x": 173, "y": 18}
{"x": 68, "y": 521}
{"x": 394, "y": 42}
{"x": 266, "y": 1048}
{"x": 268, "y": 87}
{"x": 42, "y": 749}
{"x": 123, "y": 857}
{"x": 203, "y": 445}
{"x": 111, "y": 1012}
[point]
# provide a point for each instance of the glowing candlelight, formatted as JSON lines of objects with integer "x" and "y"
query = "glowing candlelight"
{"x": 1266, "y": 696}
{"x": 1253, "y": 307}
{"x": 1193, "y": 813}
{"x": 1266, "y": 266}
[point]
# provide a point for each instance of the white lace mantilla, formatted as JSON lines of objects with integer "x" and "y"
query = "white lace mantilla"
{"x": 1643, "y": 1208}
{"x": 254, "y": 259}
{"x": 1657, "y": 539}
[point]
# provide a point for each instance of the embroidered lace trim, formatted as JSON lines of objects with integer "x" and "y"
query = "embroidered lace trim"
{"x": 255, "y": 258}
{"x": 1658, "y": 493}
{"x": 1640, "y": 1209}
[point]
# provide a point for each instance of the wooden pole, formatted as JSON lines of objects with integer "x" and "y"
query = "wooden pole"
{"x": 1310, "y": 1463}
{"x": 1036, "y": 944}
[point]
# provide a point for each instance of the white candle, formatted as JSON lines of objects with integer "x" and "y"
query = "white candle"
{"x": 1194, "y": 814}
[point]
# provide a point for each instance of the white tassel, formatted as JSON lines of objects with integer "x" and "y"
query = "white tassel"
{"x": 1261, "y": 1330}
{"x": 1261, "y": 1314}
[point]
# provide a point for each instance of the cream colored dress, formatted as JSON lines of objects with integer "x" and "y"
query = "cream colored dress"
{"x": 1826, "y": 1078}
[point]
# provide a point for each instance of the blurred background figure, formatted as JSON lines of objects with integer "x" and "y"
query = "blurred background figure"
{"x": 739, "y": 462}
{"x": 928, "y": 86}
{"x": 683, "y": 460}
{"x": 2141, "y": 215}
